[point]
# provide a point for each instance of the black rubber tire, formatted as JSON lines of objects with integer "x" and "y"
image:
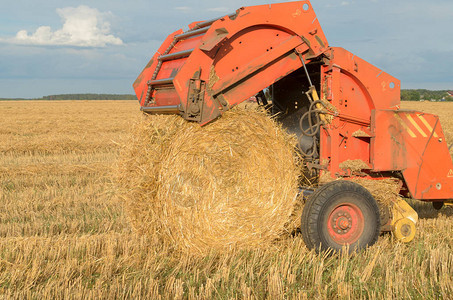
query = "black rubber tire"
{"x": 438, "y": 205}
{"x": 303, "y": 228}
{"x": 324, "y": 201}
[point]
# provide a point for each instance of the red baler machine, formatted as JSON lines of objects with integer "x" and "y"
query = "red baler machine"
{"x": 341, "y": 107}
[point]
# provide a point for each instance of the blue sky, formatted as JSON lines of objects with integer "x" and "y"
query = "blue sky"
{"x": 56, "y": 47}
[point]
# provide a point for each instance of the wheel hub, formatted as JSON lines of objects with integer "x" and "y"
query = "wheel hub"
{"x": 345, "y": 223}
{"x": 405, "y": 230}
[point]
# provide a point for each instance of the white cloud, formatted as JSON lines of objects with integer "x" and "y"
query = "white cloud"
{"x": 82, "y": 27}
{"x": 219, "y": 9}
{"x": 338, "y": 4}
{"x": 183, "y": 8}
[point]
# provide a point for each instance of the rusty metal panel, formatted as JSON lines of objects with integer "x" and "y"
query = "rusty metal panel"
{"x": 413, "y": 142}
{"x": 236, "y": 55}
{"x": 166, "y": 96}
{"x": 140, "y": 85}
{"x": 388, "y": 147}
{"x": 429, "y": 174}
{"x": 380, "y": 88}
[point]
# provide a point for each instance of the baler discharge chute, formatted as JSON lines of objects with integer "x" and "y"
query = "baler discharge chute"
{"x": 218, "y": 64}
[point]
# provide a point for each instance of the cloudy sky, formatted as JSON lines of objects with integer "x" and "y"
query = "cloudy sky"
{"x": 74, "y": 46}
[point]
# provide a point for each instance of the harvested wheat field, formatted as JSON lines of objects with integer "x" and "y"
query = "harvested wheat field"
{"x": 65, "y": 231}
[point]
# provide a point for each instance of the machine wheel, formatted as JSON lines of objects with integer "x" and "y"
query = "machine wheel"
{"x": 404, "y": 230}
{"x": 438, "y": 205}
{"x": 340, "y": 213}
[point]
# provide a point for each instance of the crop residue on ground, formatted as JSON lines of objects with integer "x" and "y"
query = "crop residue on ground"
{"x": 64, "y": 232}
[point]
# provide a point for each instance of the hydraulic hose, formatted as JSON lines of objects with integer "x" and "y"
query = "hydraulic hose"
{"x": 312, "y": 129}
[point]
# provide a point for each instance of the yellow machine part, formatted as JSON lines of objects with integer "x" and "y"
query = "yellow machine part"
{"x": 314, "y": 95}
{"x": 404, "y": 218}
{"x": 404, "y": 230}
{"x": 448, "y": 203}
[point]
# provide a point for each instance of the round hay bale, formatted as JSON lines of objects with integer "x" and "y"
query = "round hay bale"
{"x": 231, "y": 183}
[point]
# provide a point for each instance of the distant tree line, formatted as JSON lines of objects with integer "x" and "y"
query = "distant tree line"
{"x": 422, "y": 94}
{"x": 90, "y": 97}
{"x": 406, "y": 94}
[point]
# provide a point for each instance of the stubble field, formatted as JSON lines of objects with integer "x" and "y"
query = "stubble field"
{"x": 64, "y": 234}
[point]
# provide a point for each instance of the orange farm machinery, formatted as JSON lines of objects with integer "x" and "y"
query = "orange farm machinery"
{"x": 341, "y": 107}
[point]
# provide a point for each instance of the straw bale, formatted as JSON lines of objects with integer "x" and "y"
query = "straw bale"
{"x": 231, "y": 183}
{"x": 355, "y": 165}
{"x": 325, "y": 177}
{"x": 360, "y": 133}
{"x": 213, "y": 78}
{"x": 384, "y": 191}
